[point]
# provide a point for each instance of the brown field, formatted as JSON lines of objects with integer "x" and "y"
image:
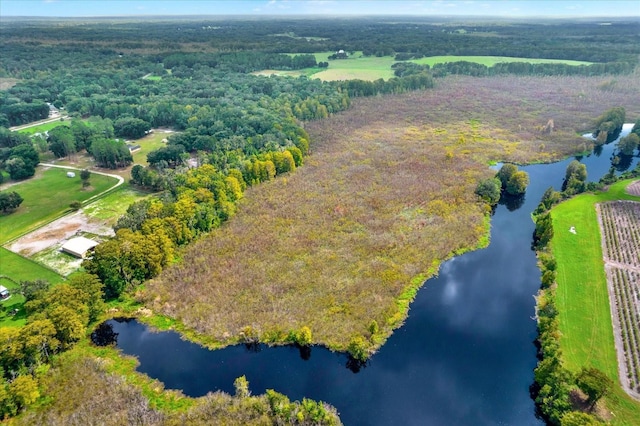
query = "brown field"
{"x": 386, "y": 195}
{"x": 620, "y": 228}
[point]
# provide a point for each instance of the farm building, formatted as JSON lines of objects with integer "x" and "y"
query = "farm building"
{"x": 4, "y": 293}
{"x": 79, "y": 246}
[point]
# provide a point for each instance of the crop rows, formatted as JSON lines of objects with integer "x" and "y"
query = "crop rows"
{"x": 626, "y": 288}
{"x": 620, "y": 228}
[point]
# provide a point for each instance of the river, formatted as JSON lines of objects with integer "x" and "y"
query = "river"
{"x": 465, "y": 355}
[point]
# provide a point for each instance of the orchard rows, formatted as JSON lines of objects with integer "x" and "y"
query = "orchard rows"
{"x": 620, "y": 227}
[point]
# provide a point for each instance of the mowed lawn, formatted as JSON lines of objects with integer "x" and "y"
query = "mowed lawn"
{"x": 149, "y": 143}
{"x": 355, "y": 67}
{"x": 13, "y": 269}
{"x": 582, "y": 296}
{"x": 46, "y": 197}
{"x": 41, "y": 128}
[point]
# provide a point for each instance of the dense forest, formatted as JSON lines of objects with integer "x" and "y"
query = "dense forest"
{"x": 238, "y": 129}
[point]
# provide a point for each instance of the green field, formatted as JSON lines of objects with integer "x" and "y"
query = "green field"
{"x": 13, "y": 269}
{"x": 582, "y": 297}
{"x": 46, "y": 197}
{"x": 147, "y": 144}
{"x": 492, "y": 60}
{"x": 355, "y": 67}
{"x": 372, "y": 67}
{"x": 115, "y": 204}
{"x": 41, "y": 128}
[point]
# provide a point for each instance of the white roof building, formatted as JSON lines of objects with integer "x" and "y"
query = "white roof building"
{"x": 79, "y": 246}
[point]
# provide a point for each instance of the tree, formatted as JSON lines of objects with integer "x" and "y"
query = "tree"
{"x": 575, "y": 178}
{"x": 517, "y": 183}
{"x": 241, "y": 385}
{"x": 628, "y": 144}
{"x": 10, "y": 201}
{"x": 489, "y": 190}
{"x": 129, "y": 127}
{"x": 85, "y": 175}
{"x": 19, "y": 169}
{"x": 594, "y": 383}
{"x": 62, "y": 142}
{"x": 24, "y": 390}
{"x": 33, "y": 289}
{"x": 91, "y": 285}
{"x": 75, "y": 205}
{"x": 505, "y": 173}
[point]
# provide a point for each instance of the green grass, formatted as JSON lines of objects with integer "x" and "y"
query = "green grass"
{"x": 114, "y": 204}
{"x": 355, "y": 67}
{"x": 44, "y": 127}
{"x": 147, "y": 144}
{"x": 46, "y": 197}
{"x": 492, "y": 60}
{"x": 372, "y": 67}
{"x": 582, "y": 296}
{"x": 17, "y": 268}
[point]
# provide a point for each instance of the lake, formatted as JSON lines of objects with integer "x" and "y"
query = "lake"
{"x": 465, "y": 355}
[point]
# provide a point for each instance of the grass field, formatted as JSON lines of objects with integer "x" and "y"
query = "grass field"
{"x": 582, "y": 295}
{"x": 115, "y": 204}
{"x": 18, "y": 268}
{"x": 355, "y": 67}
{"x": 47, "y": 197}
{"x": 41, "y": 128}
{"x": 492, "y": 60}
{"x": 147, "y": 144}
{"x": 372, "y": 68}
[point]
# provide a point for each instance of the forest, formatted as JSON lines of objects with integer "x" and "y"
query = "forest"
{"x": 234, "y": 132}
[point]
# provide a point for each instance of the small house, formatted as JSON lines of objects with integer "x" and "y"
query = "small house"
{"x": 71, "y": 174}
{"x": 4, "y": 293}
{"x": 79, "y": 246}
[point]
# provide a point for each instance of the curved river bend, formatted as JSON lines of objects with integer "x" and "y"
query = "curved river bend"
{"x": 465, "y": 355}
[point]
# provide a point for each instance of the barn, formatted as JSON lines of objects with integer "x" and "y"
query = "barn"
{"x": 79, "y": 246}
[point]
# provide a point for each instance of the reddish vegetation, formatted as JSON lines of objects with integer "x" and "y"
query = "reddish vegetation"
{"x": 387, "y": 193}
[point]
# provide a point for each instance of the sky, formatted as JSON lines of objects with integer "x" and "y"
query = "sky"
{"x": 503, "y": 8}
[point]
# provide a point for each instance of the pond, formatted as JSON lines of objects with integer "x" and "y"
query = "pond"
{"x": 465, "y": 355}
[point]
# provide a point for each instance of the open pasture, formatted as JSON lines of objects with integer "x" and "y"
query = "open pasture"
{"x": 492, "y": 60}
{"x": 47, "y": 197}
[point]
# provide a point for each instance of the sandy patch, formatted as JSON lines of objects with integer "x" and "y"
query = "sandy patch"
{"x": 57, "y": 232}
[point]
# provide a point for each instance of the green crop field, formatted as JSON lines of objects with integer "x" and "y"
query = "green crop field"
{"x": 47, "y": 197}
{"x": 492, "y": 60}
{"x": 13, "y": 269}
{"x": 582, "y": 296}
